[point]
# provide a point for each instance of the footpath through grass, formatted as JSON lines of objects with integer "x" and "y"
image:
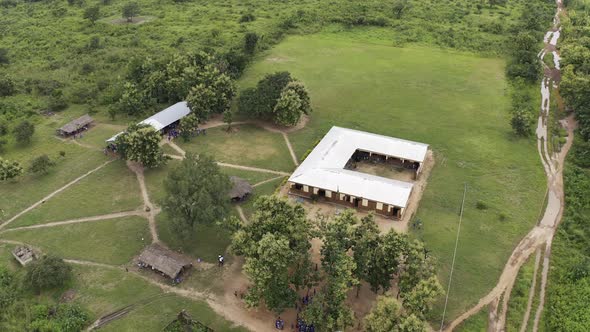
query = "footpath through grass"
{"x": 457, "y": 103}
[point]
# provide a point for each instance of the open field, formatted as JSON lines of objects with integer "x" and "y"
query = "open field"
{"x": 111, "y": 241}
{"x": 248, "y": 145}
{"x": 456, "y": 102}
{"x": 111, "y": 189}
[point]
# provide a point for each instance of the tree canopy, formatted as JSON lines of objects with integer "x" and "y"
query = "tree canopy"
{"x": 23, "y": 132}
{"x": 276, "y": 244}
{"x": 46, "y": 273}
{"x": 9, "y": 169}
{"x": 141, "y": 143}
{"x": 41, "y": 164}
{"x": 196, "y": 194}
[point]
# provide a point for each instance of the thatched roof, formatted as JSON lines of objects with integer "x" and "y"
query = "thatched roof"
{"x": 240, "y": 188}
{"x": 164, "y": 260}
{"x": 75, "y": 125}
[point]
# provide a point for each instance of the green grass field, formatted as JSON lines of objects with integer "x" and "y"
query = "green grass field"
{"x": 113, "y": 188}
{"x": 457, "y": 103}
{"x": 249, "y": 145}
{"x": 520, "y": 295}
{"x": 110, "y": 241}
{"x": 475, "y": 323}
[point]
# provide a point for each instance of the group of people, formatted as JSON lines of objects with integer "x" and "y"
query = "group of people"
{"x": 110, "y": 148}
{"x": 300, "y": 324}
{"x": 174, "y": 133}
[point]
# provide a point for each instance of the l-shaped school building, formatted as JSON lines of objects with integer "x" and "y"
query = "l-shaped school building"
{"x": 325, "y": 173}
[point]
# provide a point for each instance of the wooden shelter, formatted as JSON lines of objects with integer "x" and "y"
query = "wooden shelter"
{"x": 76, "y": 126}
{"x": 23, "y": 254}
{"x": 164, "y": 260}
{"x": 240, "y": 190}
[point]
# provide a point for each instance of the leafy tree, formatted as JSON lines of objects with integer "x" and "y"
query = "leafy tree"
{"x": 385, "y": 315}
{"x": 261, "y": 101}
{"x": 228, "y": 117}
{"x": 367, "y": 242}
{"x": 130, "y": 10}
{"x": 62, "y": 317}
{"x": 276, "y": 246}
{"x": 46, "y": 273}
{"x": 412, "y": 323}
{"x": 4, "y": 59}
{"x": 141, "y": 143}
{"x": 92, "y": 14}
{"x": 187, "y": 126}
{"x": 213, "y": 95}
{"x": 7, "y": 87}
{"x": 417, "y": 266}
{"x": 8, "y": 288}
{"x": 9, "y": 169}
{"x": 400, "y": 7}
{"x": 250, "y": 42}
{"x": 287, "y": 110}
{"x": 419, "y": 301}
{"x": 3, "y": 129}
{"x": 3, "y": 142}
{"x": 133, "y": 100}
{"x": 23, "y": 132}
{"x": 41, "y": 164}
{"x": 522, "y": 122}
{"x": 196, "y": 194}
{"x": 57, "y": 101}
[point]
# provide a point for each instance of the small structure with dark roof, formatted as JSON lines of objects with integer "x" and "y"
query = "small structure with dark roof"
{"x": 76, "y": 126}
{"x": 240, "y": 190}
{"x": 24, "y": 255}
{"x": 164, "y": 260}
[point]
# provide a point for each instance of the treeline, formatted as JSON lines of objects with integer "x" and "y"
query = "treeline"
{"x": 524, "y": 67}
{"x": 276, "y": 244}
{"x": 568, "y": 293}
{"x": 23, "y": 311}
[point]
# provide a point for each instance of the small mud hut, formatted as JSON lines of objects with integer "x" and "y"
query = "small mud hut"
{"x": 24, "y": 255}
{"x": 164, "y": 260}
{"x": 240, "y": 190}
{"x": 76, "y": 126}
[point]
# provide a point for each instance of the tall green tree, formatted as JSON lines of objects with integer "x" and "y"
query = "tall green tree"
{"x": 130, "y": 10}
{"x": 41, "y": 164}
{"x": 420, "y": 299}
{"x": 9, "y": 169}
{"x": 276, "y": 225}
{"x": 188, "y": 125}
{"x": 92, "y": 14}
{"x": 287, "y": 111}
{"x": 141, "y": 143}
{"x": 213, "y": 95}
{"x": 196, "y": 194}
{"x": 47, "y": 273}
{"x": 23, "y": 132}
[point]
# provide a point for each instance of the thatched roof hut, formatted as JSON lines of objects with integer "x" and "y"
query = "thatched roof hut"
{"x": 164, "y": 260}
{"x": 75, "y": 126}
{"x": 240, "y": 190}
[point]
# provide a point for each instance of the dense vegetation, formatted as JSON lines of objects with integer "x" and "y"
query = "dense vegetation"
{"x": 569, "y": 286}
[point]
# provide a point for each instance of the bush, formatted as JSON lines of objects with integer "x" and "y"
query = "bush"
{"x": 23, "y": 132}
{"x": 41, "y": 164}
{"x": 7, "y": 87}
{"x": 57, "y": 102}
{"x": 3, "y": 129}
{"x": 480, "y": 205}
{"x": 47, "y": 273}
{"x": 250, "y": 42}
{"x": 248, "y": 17}
{"x": 4, "y": 60}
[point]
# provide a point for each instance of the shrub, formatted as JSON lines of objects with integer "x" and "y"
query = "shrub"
{"x": 7, "y": 87}
{"x": 248, "y": 17}
{"x": 23, "y": 132}
{"x": 4, "y": 56}
{"x": 47, "y": 273}
{"x": 3, "y": 129}
{"x": 62, "y": 154}
{"x": 57, "y": 102}
{"x": 480, "y": 205}
{"x": 250, "y": 42}
{"x": 86, "y": 69}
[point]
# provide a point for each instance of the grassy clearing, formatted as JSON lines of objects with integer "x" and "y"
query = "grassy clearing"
{"x": 155, "y": 178}
{"x": 113, "y": 188}
{"x": 207, "y": 242}
{"x": 264, "y": 189}
{"x": 475, "y": 323}
{"x": 457, "y": 103}
{"x": 249, "y": 145}
{"x": 99, "y": 133}
{"x": 103, "y": 291}
{"x": 111, "y": 241}
{"x": 520, "y": 295}
{"x": 18, "y": 195}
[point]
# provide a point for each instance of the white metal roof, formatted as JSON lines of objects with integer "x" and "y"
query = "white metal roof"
{"x": 324, "y": 167}
{"x": 164, "y": 118}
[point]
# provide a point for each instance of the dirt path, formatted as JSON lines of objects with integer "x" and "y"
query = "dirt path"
{"x": 79, "y": 220}
{"x": 149, "y": 207}
{"x": 291, "y": 151}
{"x": 177, "y": 148}
{"x": 253, "y": 169}
{"x": 44, "y": 199}
{"x": 267, "y": 181}
{"x": 543, "y": 232}
{"x": 532, "y": 291}
{"x": 241, "y": 214}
